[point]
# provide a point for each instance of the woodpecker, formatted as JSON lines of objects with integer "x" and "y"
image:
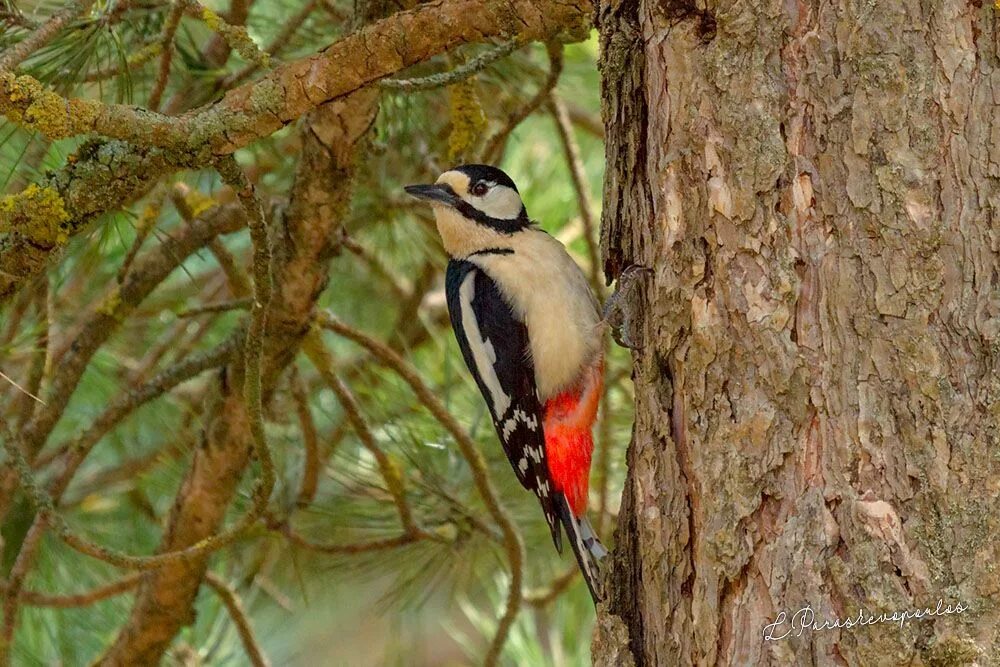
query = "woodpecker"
{"x": 528, "y": 326}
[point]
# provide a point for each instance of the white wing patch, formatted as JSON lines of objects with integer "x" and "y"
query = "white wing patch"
{"x": 511, "y": 423}
{"x": 482, "y": 350}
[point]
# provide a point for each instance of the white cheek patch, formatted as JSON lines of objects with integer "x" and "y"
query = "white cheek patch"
{"x": 500, "y": 202}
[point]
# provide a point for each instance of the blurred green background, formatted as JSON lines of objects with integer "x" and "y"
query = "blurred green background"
{"x": 428, "y": 603}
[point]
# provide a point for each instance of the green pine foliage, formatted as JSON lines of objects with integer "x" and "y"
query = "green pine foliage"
{"x": 431, "y": 602}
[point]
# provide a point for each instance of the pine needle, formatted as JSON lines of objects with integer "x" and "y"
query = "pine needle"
{"x": 19, "y": 387}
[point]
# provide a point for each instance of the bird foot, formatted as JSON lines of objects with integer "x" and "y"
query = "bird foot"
{"x": 617, "y": 313}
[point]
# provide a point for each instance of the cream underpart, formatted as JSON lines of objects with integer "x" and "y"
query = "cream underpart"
{"x": 549, "y": 292}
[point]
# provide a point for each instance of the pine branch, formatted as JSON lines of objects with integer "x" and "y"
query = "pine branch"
{"x": 451, "y": 77}
{"x": 218, "y": 307}
{"x": 391, "y": 475}
{"x": 308, "y": 232}
{"x": 245, "y": 114}
{"x": 545, "y": 596}
{"x": 571, "y": 151}
{"x": 236, "y": 36}
{"x": 351, "y": 549}
{"x": 44, "y": 34}
{"x": 495, "y": 146}
{"x": 310, "y": 442}
{"x": 273, "y": 49}
{"x": 512, "y": 538}
{"x": 166, "y": 50}
{"x": 234, "y": 606}
{"x": 85, "y": 599}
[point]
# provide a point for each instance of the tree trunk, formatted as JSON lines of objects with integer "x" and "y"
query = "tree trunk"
{"x": 815, "y": 186}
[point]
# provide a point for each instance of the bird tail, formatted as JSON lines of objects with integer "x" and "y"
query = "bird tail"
{"x": 586, "y": 547}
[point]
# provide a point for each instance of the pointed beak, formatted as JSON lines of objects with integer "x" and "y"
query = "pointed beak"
{"x": 433, "y": 193}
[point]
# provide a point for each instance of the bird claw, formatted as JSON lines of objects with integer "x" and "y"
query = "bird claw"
{"x": 616, "y": 313}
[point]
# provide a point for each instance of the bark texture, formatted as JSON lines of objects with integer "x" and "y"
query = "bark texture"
{"x": 815, "y": 186}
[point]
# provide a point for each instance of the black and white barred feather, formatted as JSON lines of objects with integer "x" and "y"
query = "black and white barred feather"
{"x": 495, "y": 346}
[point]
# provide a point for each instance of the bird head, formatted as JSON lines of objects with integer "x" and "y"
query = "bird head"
{"x": 475, "y": 206}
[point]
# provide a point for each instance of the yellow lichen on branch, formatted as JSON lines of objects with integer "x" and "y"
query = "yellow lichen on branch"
{"x": 236, "y": 36}
{"x": 37, "y": 214}
{"x": 468, "y": 122}
{"x": 29, "y": 103}
{"x": 259, "y": 108}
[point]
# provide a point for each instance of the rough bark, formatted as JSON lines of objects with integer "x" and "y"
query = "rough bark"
{"x": 303, "y": 243}
{"x": 815, "y": 186}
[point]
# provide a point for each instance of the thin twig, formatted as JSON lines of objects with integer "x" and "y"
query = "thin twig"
{"x": 192, "y": 203}
{"x": 572, "y": 152}
{"x": 12, "y": 596}
{"x": 218, "y": 307}
{"x": 495, "y": 146}
{"x": 586, "y": 121}
{"x": 254, "y": 347}
{"x": 218, "y": 219}
{"x": 133, "y": 61}
{"x": 310, "y": 441}
{"x": 373, "y": 263}
{"x": 236, "y": 36}
{"x": 118, "y": 304}
{"x": 45, "y": 501}
{"x": 166, "y": 54}
{"x": 451, "y": 77}
{"x": 354, "y": 548}
{"x": 129, "y": 470}
{"x": 235, "y": 608}
{"x": 16, "y": 18}
{"x": 273, "y": 49}
{"x": 45, "y": 33}
{"x": 543, "y": 597}
{"x": 391, "y": 474}
{"x": 68, "y": 601}
{"x": 147, "y": 220}
{"x": 25, "y": 408}
{"x": 10, "y": 380}
{"x": 18, "y": 309}
{"x": 473, "y": 457}
{"x": 129, "y": 401}
{"x": 173, "y": 338}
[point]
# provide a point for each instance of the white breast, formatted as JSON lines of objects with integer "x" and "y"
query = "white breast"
{"x": 550, "y": 294}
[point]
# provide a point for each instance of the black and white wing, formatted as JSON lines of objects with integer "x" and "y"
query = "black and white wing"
{"x": 495, "y": 345}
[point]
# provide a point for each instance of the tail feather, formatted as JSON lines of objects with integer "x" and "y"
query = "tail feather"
{"x": 586, "y": 547}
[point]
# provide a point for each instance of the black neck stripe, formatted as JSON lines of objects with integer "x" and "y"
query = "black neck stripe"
{"x": 498, "y": 224}
{"x": 493, "y": 251}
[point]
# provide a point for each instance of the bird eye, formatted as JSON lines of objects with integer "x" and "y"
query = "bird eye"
{"x": 479, "y": 189}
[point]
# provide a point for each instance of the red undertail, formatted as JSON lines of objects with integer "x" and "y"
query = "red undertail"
{"x": 569, "y": 417}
